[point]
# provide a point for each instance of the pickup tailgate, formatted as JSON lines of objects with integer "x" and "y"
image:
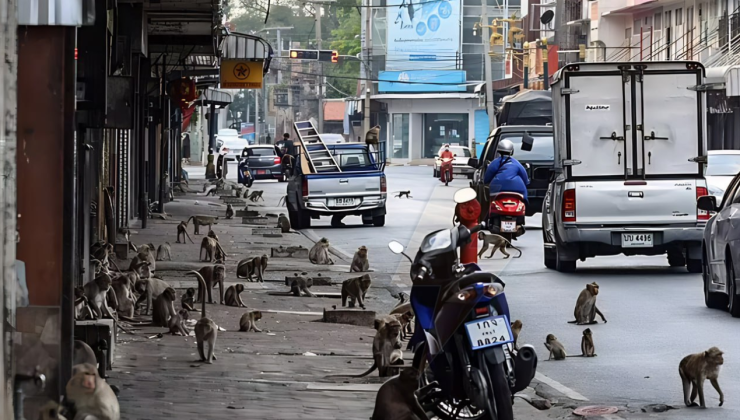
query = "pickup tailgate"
{"x": 617, "y": 203}
{"x": 344, "y": 184}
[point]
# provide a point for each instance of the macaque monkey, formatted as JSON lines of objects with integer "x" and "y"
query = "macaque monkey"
{"x": 557, "y": 351}
{"x": 404, "y": 308}
{"x": 405, "y": 319}
{"x": 498, "y": 242}
{"x": 182, "y": 230}
{"x": 51, "y": 411}
{"x": 212, "y": 234}
{"x": 124, "y": 298}
{"x": 199, "y": 221}
{"x": 396, "y": 398}
{"x": 319, "y": 253}
{"x": 188, "y": 300}
{"x": 249, "y": 267}
{"x": 83, "y": 354}
{"x": 96, "y": 292}
{"x": 695, "y": 369}
{"x": 248, "y": 321}
{"x": 148, "y": 290}
{"x": 372, "y": 136}
{"x": 164, "y": 252}
{"x": 301, "y": 284}
{"x": 516, "y": 329}
{"x": 209, "y": 246}
{"x": 91, "y": 395}
{"x": 233, "y": 297}
{"x": 212, "y": 275}
{"x": 229, "y": 211}
{"x": 145, "y": 255}
{"x": 355, "y": 289}
{"x": 164, "y": 308}
{"x": 176, "y": 323}
{"x": 387, "y": 353}
{"x": 256, "y": 196}
{"x": 205, "y": 330}
{"x": 586, "y": 310}
{"x": 82, "y": 308}
{"x": 587, "y": 344}
{"x": 401, "y": 194}
{"x": 360, "y": 262}
{"x": 283, "y": 223}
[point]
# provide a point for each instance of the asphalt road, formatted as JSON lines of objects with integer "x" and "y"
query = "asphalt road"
{"x": 656, "y": 313}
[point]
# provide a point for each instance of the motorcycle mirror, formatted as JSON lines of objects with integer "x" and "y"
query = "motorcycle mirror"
{"x": 527, "y": 142}
{"x": 464, "y": 195}
{"x": 395, "y": 247}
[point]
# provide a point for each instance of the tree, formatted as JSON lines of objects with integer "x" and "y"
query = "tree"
{"x": 345, "y": 40}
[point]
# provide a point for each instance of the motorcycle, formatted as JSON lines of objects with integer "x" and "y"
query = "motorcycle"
{"x": 445, "y": 168}
{"x": 506, "y": 216}
{"x": 462, "y": 342}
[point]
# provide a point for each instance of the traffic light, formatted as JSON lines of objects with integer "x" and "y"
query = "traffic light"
{"x": 304, "y": 54}
{"x": 335, "y": 56}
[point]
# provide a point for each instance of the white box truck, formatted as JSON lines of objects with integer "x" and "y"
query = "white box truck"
{"x": 630, "y": 148}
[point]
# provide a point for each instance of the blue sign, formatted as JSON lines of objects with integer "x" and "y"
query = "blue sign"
{"x": 421, "y": 81}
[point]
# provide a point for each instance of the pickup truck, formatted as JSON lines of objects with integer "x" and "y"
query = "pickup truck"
{"x": 359, "y": 189}
{"x": 630, "y": 149}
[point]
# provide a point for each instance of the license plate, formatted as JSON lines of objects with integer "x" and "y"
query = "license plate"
{"x": 508, "y": 226}
{"x": 344, "y": 202}
{"x": 489, "y": 332}
{"x": 637, "y": 240}
{"x": 261, "y": 171}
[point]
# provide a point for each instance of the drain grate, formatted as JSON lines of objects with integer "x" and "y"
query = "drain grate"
{"x": 594, "y": 410}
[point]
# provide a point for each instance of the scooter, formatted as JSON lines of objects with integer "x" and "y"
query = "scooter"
{"x": 506, "y": 216}
{"x": 462, "y": 342}
{"x": 445, "y": 170}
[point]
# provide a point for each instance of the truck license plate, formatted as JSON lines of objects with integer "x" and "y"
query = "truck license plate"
{"x": 637, "y": 240}
{"x": 489, "y": 332}
{"x": 261, "y": 171}
{"x": 344, "y": 202}
{"x": 508, "y": 226}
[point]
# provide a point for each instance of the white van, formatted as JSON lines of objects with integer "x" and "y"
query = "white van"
{"x": 230, "y": 144}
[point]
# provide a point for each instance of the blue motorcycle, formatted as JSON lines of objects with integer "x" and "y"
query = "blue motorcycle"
{"x": 462, "y": 343}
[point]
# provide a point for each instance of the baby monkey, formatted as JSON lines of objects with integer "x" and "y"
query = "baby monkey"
{"x": 694, "y": 369}
{"x": 587, "y": 344}
{"x": 557, "y": 350}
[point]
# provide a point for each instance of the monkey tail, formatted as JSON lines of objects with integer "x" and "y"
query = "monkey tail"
{"x": 187, "y": 222}
{"x": 205, "y": 291}
{"x": 573, "y": 322}
{"x": 369, "y": 371}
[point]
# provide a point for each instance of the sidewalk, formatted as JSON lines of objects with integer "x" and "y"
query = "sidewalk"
{"x": 279, "y": 373}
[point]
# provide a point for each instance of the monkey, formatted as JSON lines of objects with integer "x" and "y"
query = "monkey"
{"x": 51, "y": 411}
{"x": 229, "y": 211}
{"x": 199, "y": 221}
{"x": 586, "y": 310}
{"x": 301, "y": 284}
{"x": 401, "y": 194}
{"x": 372, "y": 136}
{"x": 404, "y": 308}
{"x": 124, "y": 301}
{"x": 405, "y": 319}
{"x": 387, "y": 353}
{"x": 283, "y": 223}
{"x": 249, "y": 267}
{"x": 694, "y": 369}
{"x": 255, "y": 196}
{"x": 148, "y": 290}
{"x": 498, "y": 242}
{"x": 209, "y": 246}
{"x": 263, "y": 262}
{"x": 220, "y": 254}
{"x": 248, "y": 321}
{"x": 176, "y": 323}
{"x": 396, "y": 398}
{"x": 182, "y": 230}
{"x": 355, "y": 289}
{"x": 188, "y": 300}
{"x": 91, "y": 395}
{"x": 83, "y": 354}
{"x": 164, "y": 252}
{"x": 360, "y": 262}
{"x": 96, "y": 292}
{"x": 82, "y": 308}
{"x": 212, "y": 234}
{"x": 587, "y": 344}
{"x": 319, "y": 253}
{"x": 164, "y": 308}
{"x": 212, "y": 275}
{"x": 557, "y": 351}
{"x": 516, "y": 329}
{"x": 233, "y": 297}
{"x": 246, "y": 193}
{"x": 206, "y": 330}
{"x": 103, "y": 252}
{"x": 145, "y": 255}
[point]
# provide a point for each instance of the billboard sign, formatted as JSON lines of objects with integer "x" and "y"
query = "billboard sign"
{"x": 422, "y": 81}
{"x": 423, "y": 35}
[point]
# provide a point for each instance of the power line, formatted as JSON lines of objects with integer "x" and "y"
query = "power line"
{"x": 379, "y": 80}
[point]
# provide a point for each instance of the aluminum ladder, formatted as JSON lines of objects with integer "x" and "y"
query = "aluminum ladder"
{"x": 319, "y": 157}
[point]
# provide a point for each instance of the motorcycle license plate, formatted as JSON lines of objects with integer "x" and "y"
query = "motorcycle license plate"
{"x": 489, "y": 332}
{"x": 508, "y": 226}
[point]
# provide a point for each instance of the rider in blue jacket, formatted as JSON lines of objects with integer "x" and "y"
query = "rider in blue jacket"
{"x": 506, "y": 174}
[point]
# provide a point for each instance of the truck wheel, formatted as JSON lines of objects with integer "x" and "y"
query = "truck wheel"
{"x": 550, "y": 258}
{"x": 563, "y": 266}
{"x": 294, "y": 221}
{"x": 693, "y": 265}
{"x": 304, "y": 218}
{"x": 379, "y": 221}
{"x": 676, "y": 258}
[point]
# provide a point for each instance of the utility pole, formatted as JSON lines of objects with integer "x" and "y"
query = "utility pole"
{"x": 320, "y": 83}
{"x": 487, "y": 67}
{"x": 368, "y": 71}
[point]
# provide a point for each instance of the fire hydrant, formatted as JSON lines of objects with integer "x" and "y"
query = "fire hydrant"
{"x": 468, "y": 213}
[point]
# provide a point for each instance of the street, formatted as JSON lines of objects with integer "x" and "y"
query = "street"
{"x": 656, "y": 314}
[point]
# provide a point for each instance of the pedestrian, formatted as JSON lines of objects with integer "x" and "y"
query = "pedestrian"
{"x": 186, "y": 147}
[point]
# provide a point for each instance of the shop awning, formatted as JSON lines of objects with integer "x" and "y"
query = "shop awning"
{"x": 642, "y": 6}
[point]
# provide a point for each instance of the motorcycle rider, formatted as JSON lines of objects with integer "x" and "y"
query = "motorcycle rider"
{"x": 446, "y": 154}
{"x": 506, "y": 174}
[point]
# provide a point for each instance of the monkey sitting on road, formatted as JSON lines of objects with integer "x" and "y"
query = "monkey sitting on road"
{"x": 164, "y": 252}
{"x": 182, "y": 230}
{"x": 177, "y": 323}
{"x": 557, "y": 350}
{"x": 164, "y": 308}
{"x": 283, "y": 223}
{"x": 229, "y": 211}
{"x": 301, "y": 284}
{"x": 233, "y": 298}
{"x": 401, "y": 194}
{"x": 586, "y": 310}
{"x": 396, "y": 398}
{"x": 355, "y": 289}
{"x": 694, "y": 369}
{"x": 248, "y": 321}
{"x": 387, "y": 353}
{"x": 360, "y": 262}
{"x": 206, "y": 330}
{"x": 188, "y": 300}
{"x": 498, "y": 242}
{"x": 587, "y": 344}
{"x": 91, "y": 395}
{"x": 319, "y": 253}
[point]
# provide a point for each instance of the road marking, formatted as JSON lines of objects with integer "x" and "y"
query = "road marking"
{"x": 573, "y": 395}
{"x": 272, "y": 311}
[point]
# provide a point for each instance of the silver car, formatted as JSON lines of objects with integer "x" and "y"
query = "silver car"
{"x": 721, "y": 249}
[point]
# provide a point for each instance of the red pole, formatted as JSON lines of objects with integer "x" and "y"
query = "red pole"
{"x": 468, "y": 214}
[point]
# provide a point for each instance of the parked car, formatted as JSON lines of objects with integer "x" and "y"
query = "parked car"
{"x": 262, "y": 162}
{"x": 459, "y": 165}
{"x": 230, "y": 144}
{"x": 721, "y": 249}
{"x": 722, "y": 166}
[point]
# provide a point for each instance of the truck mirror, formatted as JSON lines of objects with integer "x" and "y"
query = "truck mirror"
{"x": 527, "y": 142}
{"x": 707, "y": 203}
{"x": 473, "y": 162}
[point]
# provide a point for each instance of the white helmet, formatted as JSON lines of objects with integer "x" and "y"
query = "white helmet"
{"x": 505, "y": 147}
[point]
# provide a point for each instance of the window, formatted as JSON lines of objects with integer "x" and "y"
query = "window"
{"x": 261, "y": 151}
{"x": 658, "y": 21}
{"x": 723, "y": 165}
{"x": 679, "y": 17}
{"x": 443, "y": 128}
{"x": 648, "y": 22}
{"x": 668, "y": 19}
{"x": 636, "y": 27}
{"x": 400, "y": 136}
{"x": 352, "y": 158}
{"x": 627, "y": 33}
{"x": 543, "y": 148}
